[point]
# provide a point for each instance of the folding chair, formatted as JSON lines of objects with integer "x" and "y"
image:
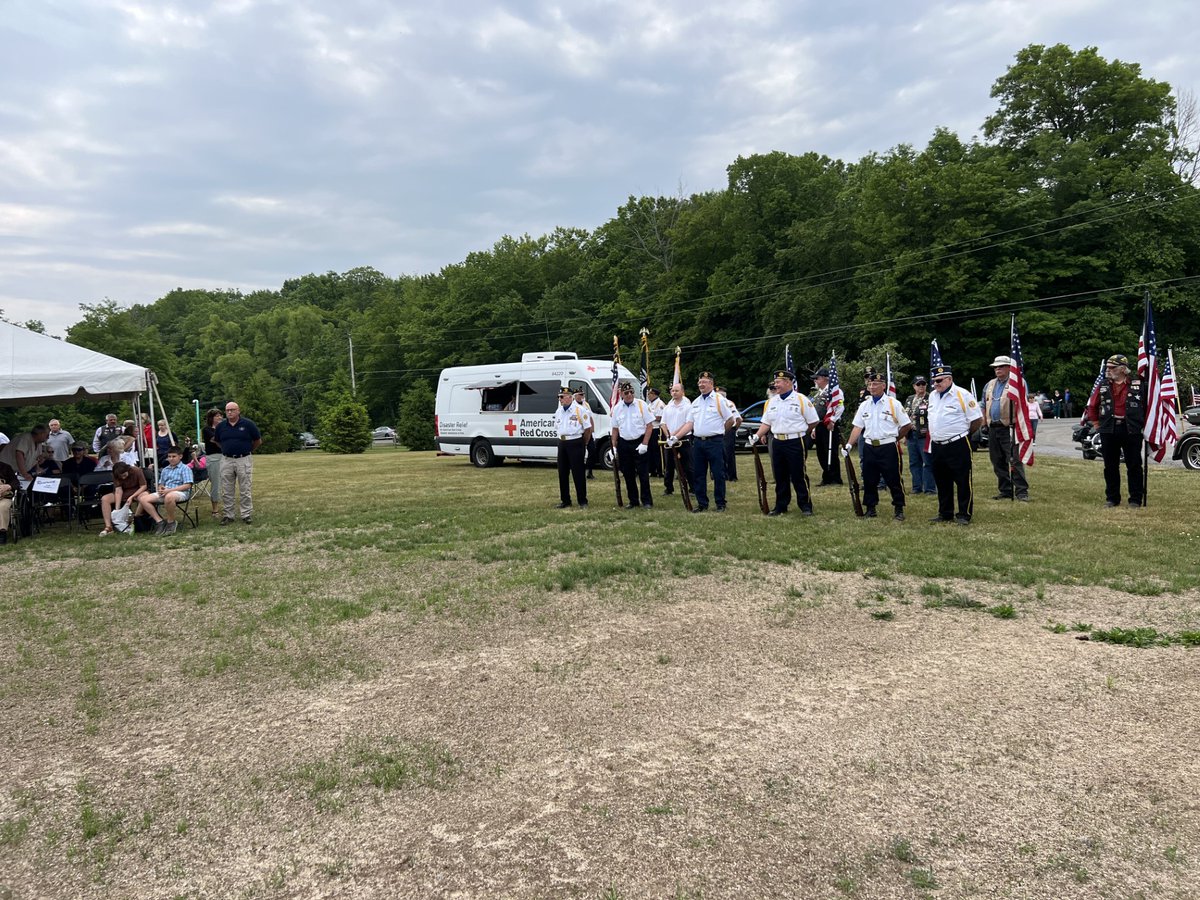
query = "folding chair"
{"x": 90, "y": 492}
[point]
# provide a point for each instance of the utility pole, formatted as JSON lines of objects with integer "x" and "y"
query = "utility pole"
{"x": 353, "y": 383}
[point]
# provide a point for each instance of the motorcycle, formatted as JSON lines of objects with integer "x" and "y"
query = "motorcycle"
{"x": 1088, "y": 439}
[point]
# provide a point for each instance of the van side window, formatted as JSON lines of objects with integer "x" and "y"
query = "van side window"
{"x": 589, "y": 394}
{"x": 538, "y": 397}
{"x": 499, "y": 398}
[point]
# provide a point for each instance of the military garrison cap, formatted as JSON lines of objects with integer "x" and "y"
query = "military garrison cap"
{"x": 706, "y": 374}
{"x": 626, "y": 386}
{"x": 821, "y": 373}
{"x": 939, "y": 371}
{"x": 784, "y": 373}
{"x": 565, "y": 392}
{"x": 1118, "y": 359}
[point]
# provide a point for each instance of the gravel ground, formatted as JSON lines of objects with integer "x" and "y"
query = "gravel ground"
{"x": 743, "y": 736}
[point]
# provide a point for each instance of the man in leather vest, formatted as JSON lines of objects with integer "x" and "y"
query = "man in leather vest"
{"x": 1118, "y": 412}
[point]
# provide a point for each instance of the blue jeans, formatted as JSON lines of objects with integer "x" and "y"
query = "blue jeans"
{"x": 705, "y": 453}
{"x": 920, "y": 465}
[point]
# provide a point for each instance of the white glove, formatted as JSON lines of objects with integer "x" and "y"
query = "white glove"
{"x": 642, "y": 449}
{"x": 846, "y": 451}
{"x": 672, "y": 441}
{"x": 753, "y": 439}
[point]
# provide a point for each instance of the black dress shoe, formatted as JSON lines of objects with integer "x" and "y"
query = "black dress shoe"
{"x": 871, "y": 512}
{"x": 590, "y": 476}
{"x": 583, "y": 506}
{"x": 961, "y": 520}
{"x": 647, "y": 506}
{"x": 806, "y": 511}
{"x": 938, "y": 520}
{"x": 562, "y": 506}
{"x": 700, "y": 509}
{"x": 777, "y": 512}
{"x": 720, "y": 507}
{"x": 667, "y": 493}
{"x": 899, "y": 517}
{"x": 1135, "y": 502}
{"x": 1111, "y": 503}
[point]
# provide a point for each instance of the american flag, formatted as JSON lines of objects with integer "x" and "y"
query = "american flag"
{"x": 1195, "y": 396}
{"x": 1170, "y": 422}
{"x": 645, "y": 375}
{"x": 1092, "y": 396}
{"x": 677, "y": 378}
{"x": 935, "y": 360}
{"x": 1016, "y": 391}
{"x": 833, "y": 410}
{"x": 612, "y": 399}
{"x": 891, "y": 384}
{"x": 1160, "y": 410}
{"x": 788, "y": 362}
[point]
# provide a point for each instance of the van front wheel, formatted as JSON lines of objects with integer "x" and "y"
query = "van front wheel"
{"x": 605, "y": 451}
{"x": 482, "y": 456}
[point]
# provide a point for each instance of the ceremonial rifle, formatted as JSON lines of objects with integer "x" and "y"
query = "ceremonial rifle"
{"x": 855, "y": 490}
{"x": 761, "y": 476}
{"x": 685, "y": 490}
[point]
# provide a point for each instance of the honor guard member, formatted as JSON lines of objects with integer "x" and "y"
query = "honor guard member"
{"x": 654, "y": 401}
{"x": 953, "y": 416}
{"x": 589, "y": 456}
{"x": 790, "y": 417}
{"x": 998, "y": 420}
{"x": 1118, "y": 411}
{"x": 674, "y": 414}
{"x": 632, "y": 425}
{"x": 731, "y": 439}
{"x": 825, "y": 438}
{"x": 919, "y": 459}
{"x": 710, "y": 415}
{"x": 881, "y": 423}
{"x": 574, "y": 424}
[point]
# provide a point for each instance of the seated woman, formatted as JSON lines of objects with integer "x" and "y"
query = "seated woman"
{"x": 174, "y": 486}
{"x": 130, "y": 484}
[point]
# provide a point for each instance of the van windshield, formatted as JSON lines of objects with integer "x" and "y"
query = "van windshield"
{"x": 604, "y": 389}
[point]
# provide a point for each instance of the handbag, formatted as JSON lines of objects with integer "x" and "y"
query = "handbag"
{"x": 122, "y": 520}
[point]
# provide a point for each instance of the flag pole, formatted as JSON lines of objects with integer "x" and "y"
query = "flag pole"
{"x": 1012, "y": 418}
{"x": 1145, "y": 446}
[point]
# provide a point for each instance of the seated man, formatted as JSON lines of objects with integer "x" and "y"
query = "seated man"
{"x": 114, "y": 452}
{"x": 79, "y": 464}
{"x": 130, "y": 484}
{"x": 174, "y": 486}
{"x": 8, "y": 491}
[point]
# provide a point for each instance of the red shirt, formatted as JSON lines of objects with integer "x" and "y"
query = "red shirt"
{"x": 1119, "y": 394}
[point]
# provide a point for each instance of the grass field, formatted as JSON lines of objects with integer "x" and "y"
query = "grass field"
{"x": 414, "y": 678}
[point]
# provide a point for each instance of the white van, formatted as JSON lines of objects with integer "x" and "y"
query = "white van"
{"x": 507, "y": 409}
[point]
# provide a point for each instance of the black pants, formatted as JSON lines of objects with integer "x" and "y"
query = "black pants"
{"x": 1001, "y": 449}
{"x": 881, "y": 462}
{"x": 591, "y": 456}
{"x": 951, "y": 471}
{"x": 685, "y": 453}
{"x": 787, "y": 458}
{"x": 1127, "y": 439}
{"x": 570, "y": 465}
{"x": 828, "y": 457}
{"x": 635, "y": 467}
{"x": 730, "y": 450}
{"x": 655, "y": 456}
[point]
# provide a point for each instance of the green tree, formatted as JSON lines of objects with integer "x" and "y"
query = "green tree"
{"x": 345, "y": 426}
{"x": 415, "y": 430}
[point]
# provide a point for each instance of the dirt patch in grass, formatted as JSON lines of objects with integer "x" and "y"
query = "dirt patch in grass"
{"x": 737, "y": 736}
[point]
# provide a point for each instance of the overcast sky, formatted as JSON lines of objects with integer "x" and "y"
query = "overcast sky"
{"x": 234, "y": 144}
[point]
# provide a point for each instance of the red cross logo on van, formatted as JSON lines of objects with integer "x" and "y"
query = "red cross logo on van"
{"x": 510, "y": 427}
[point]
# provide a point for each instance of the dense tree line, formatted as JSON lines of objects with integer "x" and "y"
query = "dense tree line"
{"x": 1078, "y": 196}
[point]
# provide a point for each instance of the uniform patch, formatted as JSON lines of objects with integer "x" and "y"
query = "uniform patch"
{"x": 972, "y": 404}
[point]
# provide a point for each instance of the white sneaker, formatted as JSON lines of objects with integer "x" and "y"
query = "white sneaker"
{"x": 104, "y": 532}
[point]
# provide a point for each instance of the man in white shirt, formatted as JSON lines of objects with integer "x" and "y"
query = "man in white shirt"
{"x": 953, "y": 415}
{"x": 790, "y": 417}
{"x": 674, "y": 414}
{"x": 574, "y": 425}
{"x": 708, "y": 418}
{"x": 881, "y": 423}
{"x": 632, "y": 424}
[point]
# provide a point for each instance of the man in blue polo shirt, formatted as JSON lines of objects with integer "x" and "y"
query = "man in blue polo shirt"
{"x": 238, "y": 437}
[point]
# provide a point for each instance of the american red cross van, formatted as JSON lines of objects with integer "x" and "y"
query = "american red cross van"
{"x": 507, "y": 409}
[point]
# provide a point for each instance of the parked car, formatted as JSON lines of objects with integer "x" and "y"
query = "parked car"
{"x": 308, "y": 440}
{"x": 1187, "y": 448}
{"x": 384, "y": 434}
{"x": 751, "y": 419}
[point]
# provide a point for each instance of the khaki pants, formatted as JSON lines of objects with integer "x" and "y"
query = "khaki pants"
{"x": 5, "y": 512}
{"x": 242, "y": 471}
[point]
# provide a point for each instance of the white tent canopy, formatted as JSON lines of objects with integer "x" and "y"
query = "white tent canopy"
{"x": 36, "y": 369}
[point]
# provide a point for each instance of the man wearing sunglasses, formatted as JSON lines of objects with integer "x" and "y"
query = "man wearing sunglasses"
{"x": 953, "y": 415}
